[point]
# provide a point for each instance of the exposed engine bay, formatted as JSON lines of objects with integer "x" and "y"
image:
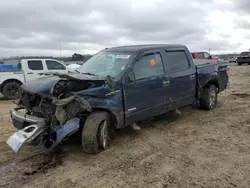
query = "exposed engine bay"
{"x": 59, "y": 111}
{"x": 61, "y": 100}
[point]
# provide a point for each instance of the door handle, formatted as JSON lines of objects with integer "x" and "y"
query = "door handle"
{"x": 30, "y": 73}
{"x": 166, "y": 83}
{"x": 192, "y": 77}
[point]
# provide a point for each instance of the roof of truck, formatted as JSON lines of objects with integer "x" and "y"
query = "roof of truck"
{"x": 138, "y": 48}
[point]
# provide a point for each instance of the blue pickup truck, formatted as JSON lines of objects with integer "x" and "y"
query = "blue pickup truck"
{"x": 115, "y": 88}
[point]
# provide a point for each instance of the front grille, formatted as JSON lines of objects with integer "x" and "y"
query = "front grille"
{"x": 37, "y": 105}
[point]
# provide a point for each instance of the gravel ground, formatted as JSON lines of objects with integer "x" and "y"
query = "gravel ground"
{"x": 195, "y": 149}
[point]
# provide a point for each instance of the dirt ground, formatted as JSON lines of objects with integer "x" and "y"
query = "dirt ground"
{"x": 196, "y": 149}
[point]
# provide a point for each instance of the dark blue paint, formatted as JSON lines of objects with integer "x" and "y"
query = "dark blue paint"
{"x": 153, "y": 96}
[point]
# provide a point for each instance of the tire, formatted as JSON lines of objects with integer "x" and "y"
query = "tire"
{"x": 11, "y": 90}
{"x": 239, "y": 64}
{"x": 93, "y": 132}
{"x": 208, "y": 99}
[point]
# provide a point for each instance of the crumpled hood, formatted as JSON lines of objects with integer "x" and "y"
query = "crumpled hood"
{"x": 44, "y": 85}
{"x": 41, "y": 85}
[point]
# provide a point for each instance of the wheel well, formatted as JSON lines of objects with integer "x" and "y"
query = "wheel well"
{"x": 9, "y": 81}
{"x": 113, "y": 118}
{"x": 212, "y": 82}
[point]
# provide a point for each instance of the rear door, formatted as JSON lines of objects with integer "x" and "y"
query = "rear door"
{"x": 144, "y": 88}
{"x": 182, "y": 77}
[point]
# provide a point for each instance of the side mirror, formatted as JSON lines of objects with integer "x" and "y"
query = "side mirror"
{"x": 109, "y": 81}
{"x": 130, "y": 77}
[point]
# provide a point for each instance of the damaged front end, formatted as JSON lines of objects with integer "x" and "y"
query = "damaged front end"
{"x": 48, "y": 117}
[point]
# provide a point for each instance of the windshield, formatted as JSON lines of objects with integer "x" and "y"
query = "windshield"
{"x": 106, "y": 63}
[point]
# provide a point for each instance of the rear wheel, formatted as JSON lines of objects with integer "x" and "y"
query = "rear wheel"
{"x": 96, "y": 132}
{"x": 208, "y": 99}
{"x": 11, "y": 90}
{"x": 239, "y": 64}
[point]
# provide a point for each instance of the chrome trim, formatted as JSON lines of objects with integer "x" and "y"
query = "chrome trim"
{"x": 131, "y": 109}
{"x": 27, "y": 118}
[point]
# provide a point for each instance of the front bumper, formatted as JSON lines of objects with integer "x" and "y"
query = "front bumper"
{"x": 28, "y": 128}
{"x": 31, "y": 128}
{"x": 20, "y": 119}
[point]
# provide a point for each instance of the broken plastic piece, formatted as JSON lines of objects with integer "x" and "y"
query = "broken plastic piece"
{"x": 20, "y": 137}
{"x": 178, "y": 112}
{"x": 135, "y": 127}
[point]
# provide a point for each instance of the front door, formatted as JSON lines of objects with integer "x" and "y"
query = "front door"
{"x": 33, "y": 69}
{"x": 145, "y": 88}
{"x": 55, "y": 67}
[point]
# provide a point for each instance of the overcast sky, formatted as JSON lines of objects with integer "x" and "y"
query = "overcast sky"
{"x": 29, "y": 27}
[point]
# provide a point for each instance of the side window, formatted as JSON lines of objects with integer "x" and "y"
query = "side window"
{"x": 176, "y": 61}
{"x": 200, "y": 55}
{"x": 35, "y": 65}
{"x": 54, "y": 65}
{"x": 149, "y": 65}
{"x": 206, "y": 55}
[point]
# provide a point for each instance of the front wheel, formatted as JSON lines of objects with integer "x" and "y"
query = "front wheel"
{"x": 96, "y": 132}
{"x": 11, "y": 90}
{"x": 208, "y": 99}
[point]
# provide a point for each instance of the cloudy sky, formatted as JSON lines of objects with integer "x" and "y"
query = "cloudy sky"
{"x": 29, "y": 27}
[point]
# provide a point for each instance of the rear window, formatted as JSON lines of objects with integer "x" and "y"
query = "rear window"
{"x": 35, "y": 65}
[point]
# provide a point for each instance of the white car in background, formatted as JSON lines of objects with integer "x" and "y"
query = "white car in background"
{"x": 29, "y": 69}
{"x": 73, "y": 67}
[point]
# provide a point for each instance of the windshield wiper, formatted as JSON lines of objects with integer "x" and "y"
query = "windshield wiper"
{"x": 77, "y": 71}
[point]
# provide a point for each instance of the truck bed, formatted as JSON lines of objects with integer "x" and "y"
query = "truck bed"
{"x": 218, "y": 71}
{"x": 204, "y": 61}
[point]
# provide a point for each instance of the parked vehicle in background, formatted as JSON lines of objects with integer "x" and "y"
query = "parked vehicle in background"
{"x": 28, "y": 70}
{"x": 203, "y": 55}
{"x": 8, "y": 68}
{"x": 244, "y": 58}
{"x": 115, "y": 88}
{"x": 73, "y": 67}
{"x": 232, "y": 59}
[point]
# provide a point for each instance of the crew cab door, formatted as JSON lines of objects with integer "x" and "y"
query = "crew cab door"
{"x": 144, "y": 88}
{"x": 181, "y": 71}
{"x": 53, "y": 66}
{"x": 32, "y": 69}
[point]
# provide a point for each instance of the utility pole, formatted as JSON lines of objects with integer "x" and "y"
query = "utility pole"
{"x": 209, "y": 50}
{"x": 60, "y": 49}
